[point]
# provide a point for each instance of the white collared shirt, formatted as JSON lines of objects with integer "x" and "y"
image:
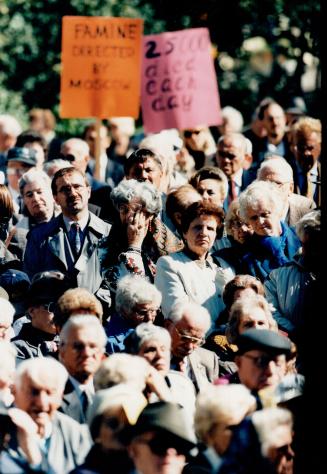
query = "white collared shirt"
{"x": 82, "y": 222}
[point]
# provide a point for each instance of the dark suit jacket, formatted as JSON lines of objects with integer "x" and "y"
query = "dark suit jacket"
{"x": 46, "y": 250}
{"x": 317, "y": 194}
{"x": 71, "y": 404}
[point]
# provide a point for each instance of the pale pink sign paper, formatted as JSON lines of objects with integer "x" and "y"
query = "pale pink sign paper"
{"x": 179, "y": 85}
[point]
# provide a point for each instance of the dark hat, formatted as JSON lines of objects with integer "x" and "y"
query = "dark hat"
{"x": 263, "y": 340}
{"x": 47, "y": 287}
{"x": 169, "y": 418}
{"x": 15, "y": 282}
{"x": 23, "y": 155}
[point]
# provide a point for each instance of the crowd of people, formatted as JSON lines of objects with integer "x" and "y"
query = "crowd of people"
{"x": 154, "y": 300}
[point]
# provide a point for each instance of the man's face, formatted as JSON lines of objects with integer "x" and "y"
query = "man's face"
{"x": 82, "y": 353}
{"x": 230, "y": 156}
{"x": 38, "y": 199}
{"x": 15, "y": 170}
{"x": 158, "y": 457}
{"x": 148, "y": 170}
{"x": 263, "y": 220}
{"x": 80, "y": 161}
{"x": 72, "y": 194}
{"x": 274, "y": 121}
{"x": 142, "y": 313}
{"x": 307, "y": 150}
{"x": 286, "y": 187}
{"x": 42, "y": 318}
{"x": 90, "y": 139}
{"x": 39, "y": 399}
{"x": 195, "y": 138}
{"x": 186, "y": 336}
{"x": 211, "y": 191}
{"x": 258, "y": 370}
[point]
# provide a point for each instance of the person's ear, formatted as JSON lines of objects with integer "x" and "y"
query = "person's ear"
{"x": 291, "y": 189}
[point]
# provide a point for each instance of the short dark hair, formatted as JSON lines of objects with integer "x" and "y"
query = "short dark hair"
{"x": 140, "y": 156}
{"x": 241, "y": 282}
{"x": 198, "y": 209}
{"x": 30, "y": 136}
{"x": 62, "y": 172}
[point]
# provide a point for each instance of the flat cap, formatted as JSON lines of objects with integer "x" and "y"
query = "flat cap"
{"x": 263, "y": 340}
{"x": 23, "y": 155}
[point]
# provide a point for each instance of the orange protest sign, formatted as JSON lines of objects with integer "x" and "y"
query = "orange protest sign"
{"x": 101, "y": 67}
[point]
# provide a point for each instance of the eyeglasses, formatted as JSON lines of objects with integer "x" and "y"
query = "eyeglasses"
{"x": 80, "y": 347}
{"x": 49, "y": 306}
{"x": 238, "y": 225}
{"x": 198, "y": 341}
{"x": 142, "y": 313}
{"x": 261, "y": 362}
{"x": 16, "y": 171}
{"x": 189, "y": 133}
{"x": 159, "y": 445}
{"x": 68, "y": 189}
{"x": 126, "y": 208}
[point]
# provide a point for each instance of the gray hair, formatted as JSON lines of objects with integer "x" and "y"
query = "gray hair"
{"x": 199, "y": 313}
{"x": 145, "y": 192}
{"x": 7, "y": 312}
{"x": 239, "y": 138}
{"x": 133, "y": 290}
{"x": 261, "y": 191}
{"x": 83, "y": 321}
{"x": 9, "y": 125}
{"x": 234, "y": 116}
{"x": 309, "y": 222}
{"x": 217, "y": 403}
{"x": 147, "y": 332}
{"x": 81, "y": 146}
{"x": 267, "y": 423}
{"x": 34, "y": 175}
{"x": 8, "y": 355}
{"x": 122, "y": 368}
{"x": 33, "y": 368}
{"x": 59, "y": 163}
{"x": 275, "y": 164}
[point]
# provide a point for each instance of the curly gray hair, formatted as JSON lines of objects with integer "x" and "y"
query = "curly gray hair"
{"x": 133, "y": 290}
{"x": 147, "y": 332}
{"x": 261, "y": 191}
{"x": 309, "y": 222}
{"x": 32, "y": 176}
{"x": 145, "y": 192}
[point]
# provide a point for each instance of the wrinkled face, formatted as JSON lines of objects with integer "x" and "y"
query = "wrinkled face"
{"x": 143, "y": 313}
{"x": 128, "y": 210}
{"x": 195, "y": 138}
{"x": 157, "y": 353}
{"x": 39, "y": 399}
{"x": 240, "y": 231}
{"x": 82, "y": 352}
{"x": 42, "y": 318}
{"x": 258, "y": 370}
{"x": 169, "y": 461}
{"x": 307, "y": 150}
{"x": 38, "y": 200}
{"x": 112, "y": 422}
{"x": 230, "y": 156}
{"x": 274, "y": 121}
{"x": 281, "y": 454}
{"x": 186, "y": 336}
{"x": 211, "y": 191}
{"x": 15, "y": 170}
{"x": 263, "y": 220}
{"x": 201, "y": 235}
{"x": 257, "y": 319}
{"x": 72, "y": 194}
{"x": 148, "y": 170}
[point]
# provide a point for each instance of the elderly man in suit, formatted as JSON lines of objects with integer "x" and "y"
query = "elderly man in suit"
{"x": 231, "y": 158}
{"x": 187, "y": 324}
{"x": 69, "y": 242}
{"x": 276, "y": 169}
{"x": 82, "y": 346}
{"x": 38, "y": 390}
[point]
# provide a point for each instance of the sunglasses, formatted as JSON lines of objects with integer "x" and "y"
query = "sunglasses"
{"x": 159, "y": 445}
{"x": 189, "y": 133}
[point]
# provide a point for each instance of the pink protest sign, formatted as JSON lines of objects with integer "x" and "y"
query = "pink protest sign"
{"x": 179, "y": 85}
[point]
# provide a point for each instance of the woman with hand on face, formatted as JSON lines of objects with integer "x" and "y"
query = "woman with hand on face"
{"x": 138, "y": 238}
{"x": 273, "y": 243}
{"x": 191, "y": 274}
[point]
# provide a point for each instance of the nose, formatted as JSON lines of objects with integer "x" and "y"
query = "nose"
{"x": 42, "y": 400}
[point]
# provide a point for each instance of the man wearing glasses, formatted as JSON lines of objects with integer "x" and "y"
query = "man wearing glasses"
{"x": 188, "y": 324}
{"x": 38, "y": 337}
{"x": 69, "y": 242}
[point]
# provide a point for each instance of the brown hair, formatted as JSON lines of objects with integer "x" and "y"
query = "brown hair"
{"x": 178, "y": 200}
{"x": 75, "y": 300}
{"x": 201, "y": 208}
{"x": 6, "y": 203}
{"x": 62, "y": 172}
{"x": 241, "y": 282}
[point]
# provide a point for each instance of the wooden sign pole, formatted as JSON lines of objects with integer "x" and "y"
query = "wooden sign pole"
{"x": 98, "y": 124}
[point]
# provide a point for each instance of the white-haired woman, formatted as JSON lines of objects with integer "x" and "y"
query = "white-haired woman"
{"x": 138, "y": 238}
{"x": 273, "y": 243}
{"x": 137, "y": 301}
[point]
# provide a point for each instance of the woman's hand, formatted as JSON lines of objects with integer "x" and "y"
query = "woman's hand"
{"x": 137, "y": 228}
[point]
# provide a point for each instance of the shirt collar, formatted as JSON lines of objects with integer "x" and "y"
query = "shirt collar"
{"x": 79, "y": 387}
{"x": 82, "y": 222}
{"x": 237, "y": 178}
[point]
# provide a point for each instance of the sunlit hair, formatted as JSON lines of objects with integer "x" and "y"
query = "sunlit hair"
{"x": 133, "y": 290}
{"x": 200, "y": 209}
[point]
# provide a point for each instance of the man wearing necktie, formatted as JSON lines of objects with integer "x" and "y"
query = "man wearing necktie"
{"x": 307, "y": 149}
{"x": 82, "y": 346}
{"x": 231, "y": 157}
{"x": 69, "y": 242}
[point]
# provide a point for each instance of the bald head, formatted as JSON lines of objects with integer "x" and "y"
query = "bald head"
{"x": 78, "y": 149}
{"x": 276, "y": 170}
{"x": 231, "y": 153}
